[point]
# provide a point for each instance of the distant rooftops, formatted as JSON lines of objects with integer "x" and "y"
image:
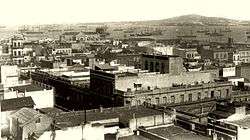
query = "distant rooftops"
{"x": 104, "y": 67}
{"x": 17, "y": 103}
{"x": 34, "y": 32}
{"x": 61, "y": 45}
{"x": 89, "y": 33}
{"x": 159, "y": 56}
{"x": 70, "y": 33}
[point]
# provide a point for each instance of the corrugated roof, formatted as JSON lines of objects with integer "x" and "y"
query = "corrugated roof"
{"x": 25, "y": 115}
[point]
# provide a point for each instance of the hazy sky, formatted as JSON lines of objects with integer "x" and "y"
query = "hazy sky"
{"x": 13, "y": 12}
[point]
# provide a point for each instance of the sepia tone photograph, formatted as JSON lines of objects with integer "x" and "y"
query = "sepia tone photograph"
{"x": 124, "y": 70}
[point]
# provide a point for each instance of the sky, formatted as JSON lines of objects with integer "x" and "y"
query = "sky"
{"x": 17, "y": 12}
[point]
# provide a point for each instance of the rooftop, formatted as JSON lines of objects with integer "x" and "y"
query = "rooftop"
{"x": 26, "y": 115}
{"x": 28, "y": 88}
{"x": 67, "y": 119}
{"x": 133, "y": 137}
{"x": 105, "y": 67}
{"x": 159, "y": 56}
{"x": 177, "y": 133}
{"x": 16, "y": 103}
{"x": 70, "y": 33}
{"x": 242, "y": 122}
{"x": 50, "y": 111}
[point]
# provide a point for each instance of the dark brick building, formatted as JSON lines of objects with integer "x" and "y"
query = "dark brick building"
{"x": 162, "y": 63}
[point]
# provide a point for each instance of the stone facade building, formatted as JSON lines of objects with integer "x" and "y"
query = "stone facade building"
{"x": 178, "y": 94}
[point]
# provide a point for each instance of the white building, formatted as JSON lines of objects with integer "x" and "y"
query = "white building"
{"x": 9, "y": 75}
{"x": 228, "y": 71}
{"x": 87, "y": 132}
{"x": 43, "y": 97}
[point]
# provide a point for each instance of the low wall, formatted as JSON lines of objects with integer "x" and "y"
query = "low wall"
{"x": 150, "y": 135}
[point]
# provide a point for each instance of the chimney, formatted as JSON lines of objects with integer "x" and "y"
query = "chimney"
{"x": 240, "y": 110}
{"x": 129, "y": 107}
{"x": 101, "y": 109}
{"x": 133, "y": 115}
{"x": 163, "y": 117}
{"x": 117, "y": 135}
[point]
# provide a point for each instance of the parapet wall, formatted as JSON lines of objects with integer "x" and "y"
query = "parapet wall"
{"x": 162, "y": 80}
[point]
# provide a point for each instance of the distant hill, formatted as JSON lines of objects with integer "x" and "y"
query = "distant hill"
{"x": 195, "y": 20}
{"x": 191, "y": 19}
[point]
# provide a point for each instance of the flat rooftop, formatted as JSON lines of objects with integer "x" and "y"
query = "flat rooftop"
{"x": 51, "y": 111}
{"x": 163, "y": 57}
{"x": 177, "y": 133}
{"x": 133, "y": 137}
{"x": 28, "y": 88}
{"x": 243, "y": 122}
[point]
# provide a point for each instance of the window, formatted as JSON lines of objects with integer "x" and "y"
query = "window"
{"x": 199, "y": 96}
{"x": 216, "y": 55}
{"x": 225, "y": 55}
{"x": 206, "y": 94}
{"x": 190, "y": 97}
{"x": 172, "y": 99}
{"x": 151, "y": 69}
{"x": 221, "y": 55}
{"x": 138, "y": 102}
{"x": 128, "y": 102}
{"x": 212, "y": 94}
{"x": 157, "y": 100}
{"x": 220, "y": 93}
{"x": 182, "y": 98}
{"x": 148, "y": 100}
{"x": 1, "y": 97}
{"x": 164, "y": 100}
{"x": 227, "y": 92}
{"x": 162, "y": 67}
{"x": 157, "y": 67}
{"x": 38, "y": 120}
